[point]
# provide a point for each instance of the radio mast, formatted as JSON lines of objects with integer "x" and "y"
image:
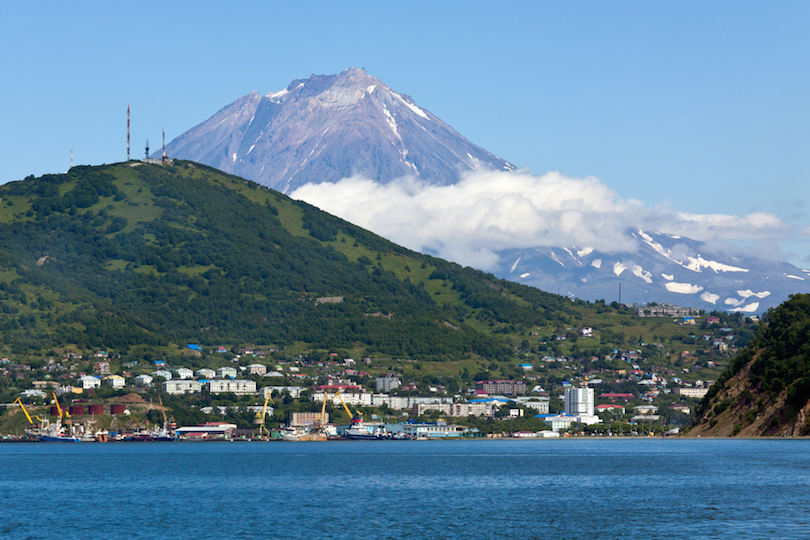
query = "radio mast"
{"x": 127, "y": 131}
{"x": 163, "y": 159}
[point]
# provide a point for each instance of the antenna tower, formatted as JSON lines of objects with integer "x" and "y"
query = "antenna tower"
{"x": 71, "y": 158}
{"x": 164, "y": 146}
{"x": 127, "y": 131}
{"x": 147, "y": 149}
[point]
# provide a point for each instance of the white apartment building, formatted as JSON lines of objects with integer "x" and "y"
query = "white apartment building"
{"x": 698, "y": 393}
{"x": 257, "y": 369}
{"x": 205, "y": 373}
{"x": 237, "y": 386}
{"x": 182, "y": 386}
{"x": 226, "y": 371}
{"x": 184, "y": 373}
{"x": 88, "y": 382}
{"x": 353, "y": 399}
{"x": 579, "y": 403}
{"x": 143, "y": 380}
{"x": 116, "y": 381}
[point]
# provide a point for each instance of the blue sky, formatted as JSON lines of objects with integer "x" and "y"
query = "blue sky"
{"x": 699, "y": 106}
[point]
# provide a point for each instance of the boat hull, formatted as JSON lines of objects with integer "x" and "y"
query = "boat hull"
{"x": 48, "y": 438}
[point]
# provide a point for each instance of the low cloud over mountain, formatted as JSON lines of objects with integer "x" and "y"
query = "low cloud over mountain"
{"x": 488, "y": 212}
{"x": 575, "y": 236}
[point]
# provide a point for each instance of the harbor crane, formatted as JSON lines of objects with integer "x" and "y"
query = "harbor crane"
{"x": 28, "y": 416}
{"x": 261, "y": 428}
{"x": 356, "y": 416}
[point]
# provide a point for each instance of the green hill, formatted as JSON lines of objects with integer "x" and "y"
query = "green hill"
{"x": 148, "y": 256}
{"x": 766, "y": 389}
{"x": 140, "y": 260}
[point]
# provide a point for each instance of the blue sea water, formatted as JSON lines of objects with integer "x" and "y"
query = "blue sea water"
{"x": 605, "y": 488}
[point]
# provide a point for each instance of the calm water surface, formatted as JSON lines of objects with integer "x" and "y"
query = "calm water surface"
{"x": 438, "y": 489}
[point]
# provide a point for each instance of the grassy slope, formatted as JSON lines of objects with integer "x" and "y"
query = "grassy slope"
{"x": 165, "y": 256}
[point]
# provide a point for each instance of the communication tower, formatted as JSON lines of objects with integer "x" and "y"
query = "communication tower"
{"x": 163, "y": 159}
{"x": 147, "y": 150}
{"x": 127, "y": 131}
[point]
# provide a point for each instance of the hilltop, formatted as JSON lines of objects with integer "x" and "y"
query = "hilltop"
{"x": 133, "y": 255}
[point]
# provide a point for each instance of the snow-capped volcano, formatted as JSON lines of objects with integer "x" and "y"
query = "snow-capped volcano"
{"x": 664, "y": 269}
{"x": 329, "y": 127}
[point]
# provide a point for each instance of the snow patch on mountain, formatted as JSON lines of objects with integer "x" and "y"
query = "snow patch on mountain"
{"x": 696, "y": 264}
{"x": 585, "y": 251}
{"x": 618, "y": 268}
{"x": 668, "y": 277}
{"x": 683, "y": 288}
{"x": 710, "y": 297}
{"x": 411, "y": 106}
{"x": 750, "y": 308}
{"x": 597, "y": 263}
{"x": 748, "y": 294}
{"x": 638, "y": 271}
{"x": 515, "y": 265}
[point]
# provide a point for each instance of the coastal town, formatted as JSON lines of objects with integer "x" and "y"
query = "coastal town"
{"x": 261, "y": 393}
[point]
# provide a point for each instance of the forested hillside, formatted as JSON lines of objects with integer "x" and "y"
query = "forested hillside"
{"x": 147, "y": 256}
{"x": 766, "y": 389}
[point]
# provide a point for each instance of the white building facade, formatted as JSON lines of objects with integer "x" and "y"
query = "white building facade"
{"x": 237, "y": 386}
{"x": 579, "y": 403}
{"x": 182, "y": 386}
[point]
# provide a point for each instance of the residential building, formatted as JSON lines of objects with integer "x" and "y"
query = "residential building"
{"x": 307, "y": 418}
{"x": 88, "y": 382}
{"x": 387, "y": 383}
{"x": 257, "y": 369}
{"x": 116, "y": 381}
{"x": 165, "y": 373}
{"x": 698, "y": 393}
{"x": 182, "y": 386}
{"x": 184, "y": 373}
{"x": 237, "y": 386}
{"x": 226, "y": 371}
{"x": 539, "y": 404}
{"x": 509, "y": 388}
{"x": 102, "y": 368}
{"x": 205, "y": 373}
{"x": 579, "y": 401}
{"x": 143, "y": 380}
{"x": 666, "y": 310}
{"x": 560, "y": 421}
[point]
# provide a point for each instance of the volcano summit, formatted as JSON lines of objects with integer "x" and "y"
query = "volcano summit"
{"x": 329, "y": 127}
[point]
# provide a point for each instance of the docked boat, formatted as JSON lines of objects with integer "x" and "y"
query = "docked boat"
{"x": 298, "y": 433}
{"x": 158, "y": 434}
{"x": 358, "y": 431}
{"x": 52, "y": 432}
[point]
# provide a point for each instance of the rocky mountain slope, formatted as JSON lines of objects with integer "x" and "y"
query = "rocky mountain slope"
{"x": 664, "y": 268}
{"x": 766, "y": 389}
{"x": 329, "y": 127}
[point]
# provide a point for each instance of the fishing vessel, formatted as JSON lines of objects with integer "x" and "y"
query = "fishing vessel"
{"x": 51, "y": 432}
